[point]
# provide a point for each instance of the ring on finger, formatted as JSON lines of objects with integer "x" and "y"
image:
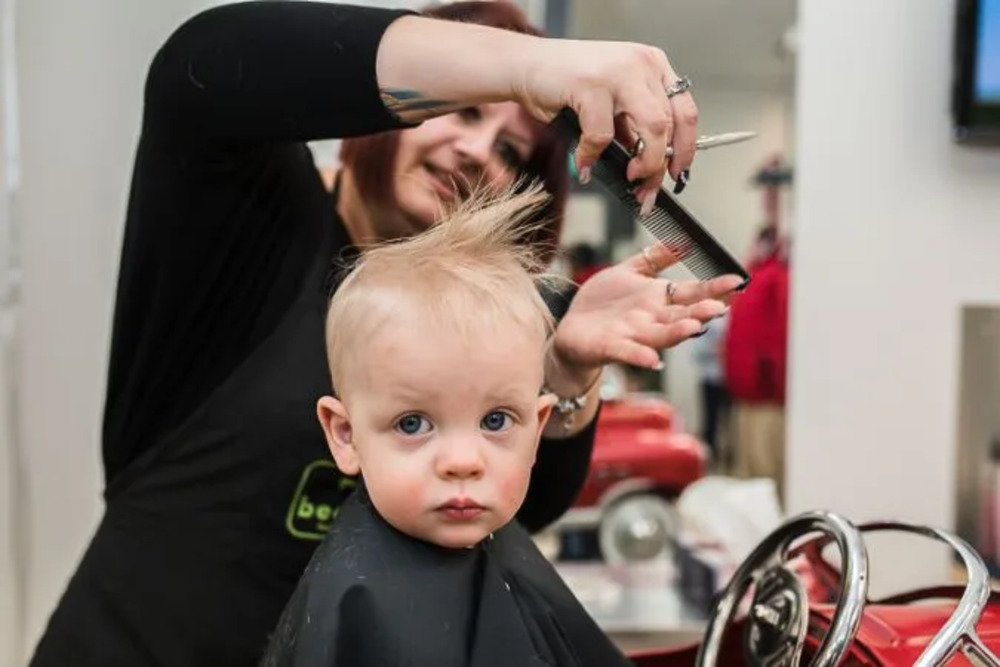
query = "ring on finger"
{"x": 640, "y": 147}
{"x": 671, "y": 290}
{"x": 649, "y": 261}
{"x": 679, "y": 86}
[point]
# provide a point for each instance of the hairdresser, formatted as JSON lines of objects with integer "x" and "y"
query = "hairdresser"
{"x": 219, "y": 484}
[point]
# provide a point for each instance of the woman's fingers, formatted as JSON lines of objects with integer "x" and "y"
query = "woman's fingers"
{"x": 651, "y": 260}
{"x": 643, "y": 349}
{"x": 625, "y": 85}
{"x": 692, "y": 291}
{"x": 596, "y": 114}
{"x": 633, "y": 353}
{"x": 703, "y": 311}
{"x": 652, "y": 122}
{"x": 654, "y": 259}
{"x": 685, "y": 121}
{"x": 671, "y": 326}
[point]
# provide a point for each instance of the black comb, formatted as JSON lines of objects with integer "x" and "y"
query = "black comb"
{"x": 669, "y": 222}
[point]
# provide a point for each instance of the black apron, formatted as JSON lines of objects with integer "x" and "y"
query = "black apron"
{"x": 373, "y": 596}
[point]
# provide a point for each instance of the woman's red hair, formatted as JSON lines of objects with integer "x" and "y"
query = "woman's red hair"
{"x": 368, "y": 156}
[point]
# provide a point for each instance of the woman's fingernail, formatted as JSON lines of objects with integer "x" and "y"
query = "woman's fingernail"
{"x": 584, "y": 175}
{"x": 658, "y": 366}
{"x": 682, "y": 181}
{"x": 648, "y": 199}
{"x": 702, "y": 332}
{"x": 722, "y": 314}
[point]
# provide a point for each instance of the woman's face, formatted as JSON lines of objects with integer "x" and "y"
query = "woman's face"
{"x": 445, "y": 157}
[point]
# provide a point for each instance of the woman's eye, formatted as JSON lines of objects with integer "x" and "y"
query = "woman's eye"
{"x": 497, "y": 421}
{"x": 510, "y": 157}
{"x": 413, "y": 425}
{"x": 470, "y": 113}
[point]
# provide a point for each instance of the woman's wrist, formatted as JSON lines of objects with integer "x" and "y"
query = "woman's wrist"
{"x": 428, "y": 67}
{"x": 577, "y": 393}
{"x": 566, "y": 379}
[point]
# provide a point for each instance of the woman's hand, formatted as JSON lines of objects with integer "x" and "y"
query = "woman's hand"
{"x": 626, "y": 314}
{"x": 428, "y": 67}
{"x": 618, "y": 90}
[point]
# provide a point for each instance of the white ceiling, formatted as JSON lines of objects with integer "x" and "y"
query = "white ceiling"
{"x": 732, "y": 43}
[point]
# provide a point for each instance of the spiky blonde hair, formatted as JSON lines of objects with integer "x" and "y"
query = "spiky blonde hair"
{"x": 474, "y": 268}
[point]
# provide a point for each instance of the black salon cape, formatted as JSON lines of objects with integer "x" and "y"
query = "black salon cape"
{"x": 373, "y": 596}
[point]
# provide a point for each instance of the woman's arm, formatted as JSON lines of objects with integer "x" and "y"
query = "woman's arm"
{"x": 570, "y": 383}
{"x": 623, "y": 314}
{"x": 427, "y": 67}
{"x": 305, "y": 70}
{"x": 271, "y": 71}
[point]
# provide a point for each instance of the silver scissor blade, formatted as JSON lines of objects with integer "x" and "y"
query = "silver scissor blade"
{"x": 713, "y": 140}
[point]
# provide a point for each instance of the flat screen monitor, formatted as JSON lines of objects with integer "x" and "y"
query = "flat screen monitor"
{"x": 976, "y": 102}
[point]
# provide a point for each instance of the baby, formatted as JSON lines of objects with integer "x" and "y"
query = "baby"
{"x": 439, "y": 409}
{"x": 439, "y": 404}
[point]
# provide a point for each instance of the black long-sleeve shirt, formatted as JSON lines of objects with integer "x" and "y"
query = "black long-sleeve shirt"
{"x": 219, "y": 484}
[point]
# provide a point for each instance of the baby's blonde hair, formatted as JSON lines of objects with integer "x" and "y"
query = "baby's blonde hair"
{"x": 474, "y": 268}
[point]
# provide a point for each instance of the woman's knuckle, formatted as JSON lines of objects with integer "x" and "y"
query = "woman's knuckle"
{"x": 659, "y": 124}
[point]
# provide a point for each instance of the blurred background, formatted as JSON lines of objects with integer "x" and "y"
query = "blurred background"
{"x": 864, "y": 375}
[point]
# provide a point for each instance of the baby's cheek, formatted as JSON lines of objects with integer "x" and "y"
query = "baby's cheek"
{"x": 409, "y": 491}
{"x": 513, "y": 487}
{"x": 399, "y": 495}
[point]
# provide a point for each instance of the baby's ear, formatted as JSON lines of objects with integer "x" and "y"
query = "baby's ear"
{"x": 545, "y": 404}
{"x": 336, "y": 425}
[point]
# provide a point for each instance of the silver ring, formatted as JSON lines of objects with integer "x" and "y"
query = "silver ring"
{"x": 649, "y": 261}
{"x": 640, "y": 147}
{"x": 680, "y": 85}
{"x": 671, "y": 290}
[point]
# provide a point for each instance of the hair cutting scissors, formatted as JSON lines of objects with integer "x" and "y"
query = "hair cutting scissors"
{"x": 713, "y": 140}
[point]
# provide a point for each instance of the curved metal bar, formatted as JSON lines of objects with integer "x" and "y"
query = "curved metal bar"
{"x": 854, "y": 587}
{"x": 977, "y": 654}
{"x": 961, "y": 626}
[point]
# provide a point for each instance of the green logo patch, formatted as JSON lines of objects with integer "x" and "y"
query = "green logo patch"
{"x": 317, "y": 500}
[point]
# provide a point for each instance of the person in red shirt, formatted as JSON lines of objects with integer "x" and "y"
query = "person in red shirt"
{"x": 756, "y": 351}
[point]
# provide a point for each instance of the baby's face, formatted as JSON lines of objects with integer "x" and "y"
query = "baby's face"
{"x": 444, "y": 430}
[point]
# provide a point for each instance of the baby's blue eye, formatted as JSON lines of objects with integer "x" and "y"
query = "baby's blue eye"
{"x": 412, "y": 424}
{"x": 496, "y": 421}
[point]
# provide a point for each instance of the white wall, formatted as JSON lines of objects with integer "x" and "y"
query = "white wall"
{"x": 81, "y": 79}
{"x": 10, "y": 589}
{"x": 724, "y": 200}
{"x": 896, "y": 227}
